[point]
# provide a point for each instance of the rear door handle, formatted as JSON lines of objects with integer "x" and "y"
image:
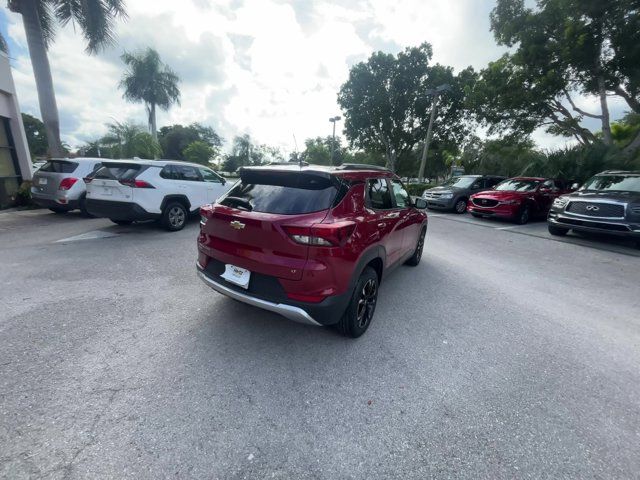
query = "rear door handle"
{"x": 382, "y": 225}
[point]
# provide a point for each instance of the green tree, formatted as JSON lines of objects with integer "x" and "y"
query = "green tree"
{"x": 175, "y": 138}
{"x": 199, "y": 152}
{"x": 589, "y": 46}
{"x": 386, "y": 106}
{"x": 150, "y": 81}
{"x": 318, "y": 151}
{"x": 127, "y": 140}
{"x": 245, "y": 153}
{"x": 94, "y": 19}
{"x": 36, "y": 135}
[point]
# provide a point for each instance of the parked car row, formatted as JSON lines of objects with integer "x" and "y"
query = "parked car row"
{"x": 607, "y": 203}
{"x": 127, "y": 190}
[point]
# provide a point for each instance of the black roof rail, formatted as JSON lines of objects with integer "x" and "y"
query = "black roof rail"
{"x": 361, "y": 166}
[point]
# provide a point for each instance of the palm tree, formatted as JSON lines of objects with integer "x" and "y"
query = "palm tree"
{"x": 150, "y": 81}
{"x": 95, "y": 19}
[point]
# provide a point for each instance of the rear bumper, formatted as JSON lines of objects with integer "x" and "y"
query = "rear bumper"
{"x": 127, "y": 211}
{"x": 51, "y": 201}
{"x": 327, "y": 312}
{"x": 617, "y": 228}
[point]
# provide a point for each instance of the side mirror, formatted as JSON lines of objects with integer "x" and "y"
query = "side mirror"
{"x": 575, "y": 186}
{"x": 224, "y": 181}
{"x": 420, "y": 203}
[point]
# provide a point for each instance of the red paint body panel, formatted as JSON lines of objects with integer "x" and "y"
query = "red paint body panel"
{"x": 263, "y": 246}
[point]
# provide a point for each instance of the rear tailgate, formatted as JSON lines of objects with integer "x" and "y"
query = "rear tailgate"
{"x": 246, "y": 228}
{"x": 47, "y": 179}
{"x": 106, "y": 182}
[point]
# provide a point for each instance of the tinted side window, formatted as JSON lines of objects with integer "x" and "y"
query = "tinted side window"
{"x": 403, "y": 200}
{"x": 378, "y": 194}
{"x": 168, "y": 172}
{"x": 209, "y": 176}
{"x": 59, "y": 166}
{"x": 188, "y": 173}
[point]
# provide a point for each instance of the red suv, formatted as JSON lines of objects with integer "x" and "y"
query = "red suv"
{"x": 518, "y": 199}
{"x": 311, "y": 243}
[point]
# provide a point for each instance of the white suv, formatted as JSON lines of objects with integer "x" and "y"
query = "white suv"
{"x": 129, "y": 190}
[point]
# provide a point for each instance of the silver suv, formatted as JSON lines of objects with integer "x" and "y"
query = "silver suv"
{"x": 58, "y": 185}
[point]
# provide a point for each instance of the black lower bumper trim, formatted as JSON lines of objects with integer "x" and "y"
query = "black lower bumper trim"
{"x": 264, "y": 288}
{"x": 127, "y": 211}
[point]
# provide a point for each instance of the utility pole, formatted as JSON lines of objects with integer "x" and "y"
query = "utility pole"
{"x": 434, "y": 105}
{"x": 333, "y": 142}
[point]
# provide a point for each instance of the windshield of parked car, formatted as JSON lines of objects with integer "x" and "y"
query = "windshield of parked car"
{"x": 625, "y": 183}
{"x": 460, "y": 182}
{"x": 516, "y": 185}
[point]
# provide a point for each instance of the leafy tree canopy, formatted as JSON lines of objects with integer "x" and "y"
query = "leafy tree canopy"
{"x": 36, "y": 135}
{"x": 175, "y": 138}
{"x": 387, "y": 106}
{"x": 199, "y": 152}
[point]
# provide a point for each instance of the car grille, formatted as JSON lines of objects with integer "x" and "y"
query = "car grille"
{"x": 596, "y": 209}
{"x": 485, "y": 202}
{"x": 616, "y": 227}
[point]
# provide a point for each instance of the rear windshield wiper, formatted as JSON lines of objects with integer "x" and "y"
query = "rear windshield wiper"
{"x": 237, "y": 202}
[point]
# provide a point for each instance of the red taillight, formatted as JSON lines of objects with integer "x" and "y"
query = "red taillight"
{"x": 67, "y": 183}
{"x": 322, "y": 234}
{"x": 129, "y": 182}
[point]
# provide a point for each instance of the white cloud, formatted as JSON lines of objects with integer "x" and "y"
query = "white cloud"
{"x": 271, "y": 68}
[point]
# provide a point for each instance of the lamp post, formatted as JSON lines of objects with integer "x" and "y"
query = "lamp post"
{"x": 333, "y": 142}
{"x": 434, "y": 105}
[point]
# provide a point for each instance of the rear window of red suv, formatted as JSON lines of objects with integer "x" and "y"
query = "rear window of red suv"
{"x": 284, "y": 193}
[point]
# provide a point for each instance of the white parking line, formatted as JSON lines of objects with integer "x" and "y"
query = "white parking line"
{"x": 89, "y": 236}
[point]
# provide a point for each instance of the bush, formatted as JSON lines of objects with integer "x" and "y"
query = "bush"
{"x": 416, "y": 189}
{"x": 22, "y": 197}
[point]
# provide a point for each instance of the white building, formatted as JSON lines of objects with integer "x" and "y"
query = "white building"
{"x": 15, "y": 160}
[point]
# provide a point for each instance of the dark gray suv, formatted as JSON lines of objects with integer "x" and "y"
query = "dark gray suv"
{"x": 607, "y": 203}
{"x": 455, "y": 192}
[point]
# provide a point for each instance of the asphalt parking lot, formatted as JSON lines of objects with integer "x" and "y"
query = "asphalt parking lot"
{"x": 505, "y": 354}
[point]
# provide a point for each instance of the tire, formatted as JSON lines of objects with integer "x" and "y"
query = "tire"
{"x": 524, "y": 215}
{"x": 174, "y": 216}
{"x": 82, "y": 205}
{"x": 359, "y": 313}
{"x": 558, "y": 231}
{"x": 460, "y": 206}
{"x": 58, "y": 209}
{"x": 414, "y": 259}
{"x": 121, "y": 222}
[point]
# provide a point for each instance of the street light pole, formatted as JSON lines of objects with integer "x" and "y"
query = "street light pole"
{"x": 434, "y": 105}
{"x": 333, "y": 142}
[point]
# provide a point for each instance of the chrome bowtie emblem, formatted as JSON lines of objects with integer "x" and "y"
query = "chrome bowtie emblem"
{"x": 237, "y": 225}
{"x": 592, "y": 208}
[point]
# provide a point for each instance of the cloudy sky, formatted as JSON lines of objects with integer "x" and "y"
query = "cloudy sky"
{"x": 270, "y": 68}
